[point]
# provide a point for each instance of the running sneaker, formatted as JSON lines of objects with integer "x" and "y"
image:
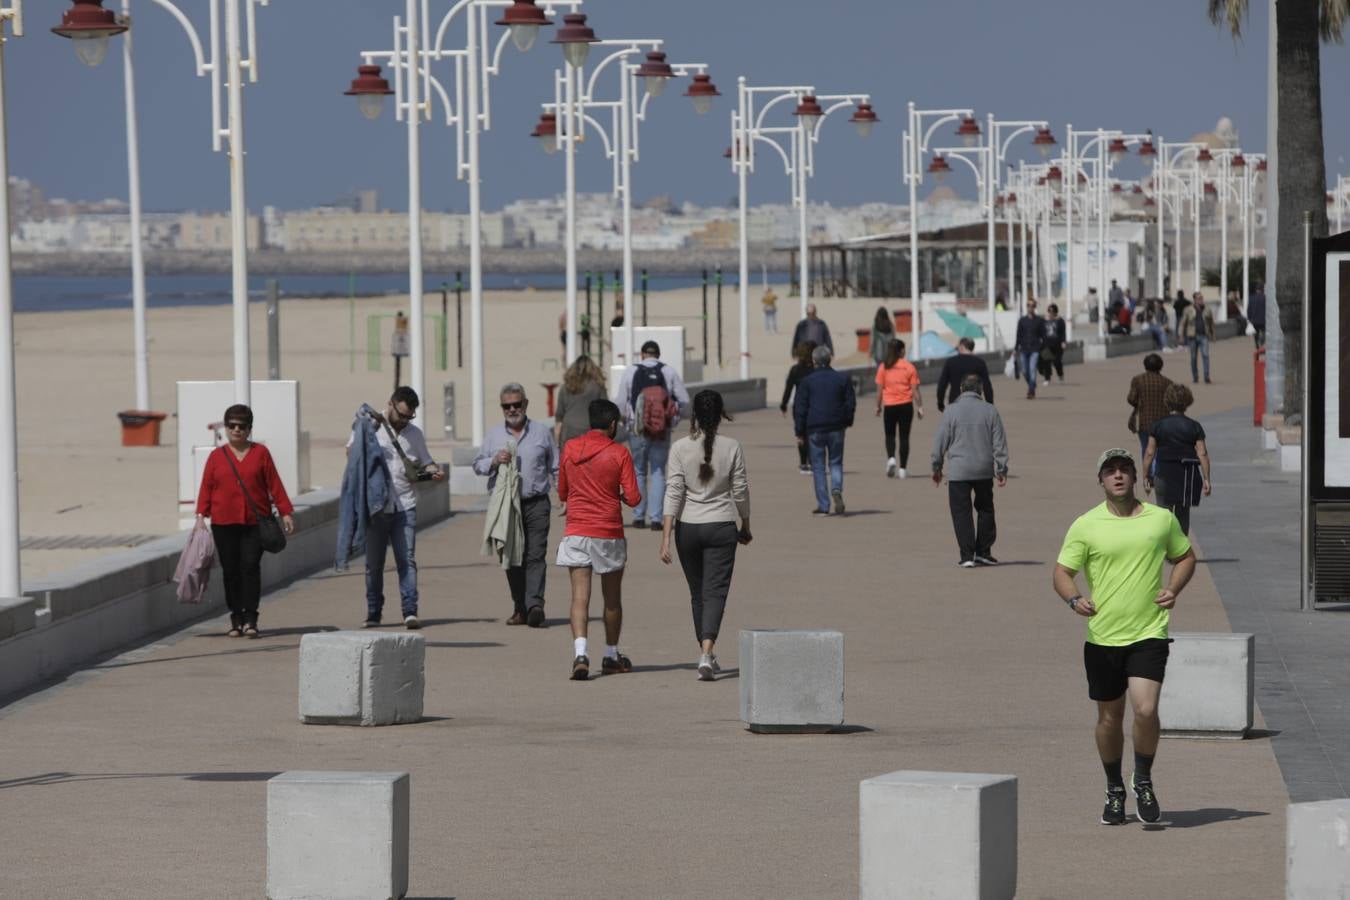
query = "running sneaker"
{"x": 967, "y": 564}
{"x": 705, "y": 667}
{"x": 820, "y": 512}
{"x": 838, "y": 502}
{"x": 902, "y": 473}
{"x": 891, "y": 467}
{"x": 1113, "y": 813}
{"x": 412, "y": 623}
{"x": 616, "y": 665}
{"x": 581, "y": 668}
{"x": 371, "y": 623}
{"x": 985, "y": 560}
{"x": 805, "y": 470}
{"x": 1145, "y": 801}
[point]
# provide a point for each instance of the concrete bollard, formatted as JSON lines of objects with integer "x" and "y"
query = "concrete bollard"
{"x": 361, "y": 678}
{"x": 791, "y": 681}
{"x": 337, "y": 835}
{"x": 1317, "y": 856}
{"x": 1209, "y": 686}
{"x": 948, "y": 835}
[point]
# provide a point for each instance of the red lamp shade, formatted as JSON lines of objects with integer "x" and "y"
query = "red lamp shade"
{"x": 656, "y": 71}
{"x": 1116, "y": 188}
{"x": 1137, "y": 190}
{"x": 939, "y": 168}
{"x": 1238, "y": 163}
{"x": 546, "y": 130}
{"x": 1012, "y": 199}
{"x": 1149, "y": 201}
{"x": 808, "y": 108}
{"x": 1059, "y": 204}
{"x": 89, "y": 25}
{"x": 1053, "y": 176}
{"x": 863, "y": 119}
{"x": 1146, "y": 149}
{"x": 576, "y": 38}
{"x": 1043, "y": 141}
{"x": 1117, "y": 149}
{"x": 1082, "y": 179}
{"x": 969, "y": 132}
{"x": 1210, "y": 190}
{"x": 1261, "y": 165}
{"x": 702, "y": 91}
{"x": 369, "y": 89}
{"x": 524, "y": 19}
{"x": 1204, "y": 158}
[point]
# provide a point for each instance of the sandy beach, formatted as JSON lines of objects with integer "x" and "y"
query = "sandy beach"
{"x": 75, "y": 374}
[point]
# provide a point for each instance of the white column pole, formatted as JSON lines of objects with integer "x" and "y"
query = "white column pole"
{"x": 1070, "y": 180}
{"x": 912, "y": 161}
{"x": 740, "y": 152}
{"x": 1103, "y": 214}
{"x": 991, "y": 251}
{"x": 1012, "y": 258}
{"x": 804, "y": 264}
{"x": 238, "y": 208}
{"x": 417, "y": 356}
{"x": 1223, "y": 238}
{"x": 572, "y": 129}
{"x": 1197, "y": 201}
{"x": 626, "y": 101}
{"x": 1176, "y": 231}
{"x": 477, "y": 375}
{"x": 10, "y": 582}
{"x": 140, "y": 351}
{"x": 1022, "y": 232}
{"x": 1246, "y": 237}
{"x": 1161, "y": 206}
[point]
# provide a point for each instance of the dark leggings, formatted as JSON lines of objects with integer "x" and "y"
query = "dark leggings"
{"x": 708, "y": 556}
{"x": 900, "y": 416}
{"x": 1047, "y": 362}
{"x": 240, "y": 557}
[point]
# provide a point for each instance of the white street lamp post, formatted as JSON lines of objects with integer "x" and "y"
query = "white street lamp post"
{"x": 1001, "y": 134}
{"x": 978, "y": 159}
{"x": 914, "y": 146}
{"x": 10, "y": 582}
{"x": 1340, "y": 198}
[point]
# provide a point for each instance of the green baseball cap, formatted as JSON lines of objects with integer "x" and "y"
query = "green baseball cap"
{"x": 1114, "y": 453}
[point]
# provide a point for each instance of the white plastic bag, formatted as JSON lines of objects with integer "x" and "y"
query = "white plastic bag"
{"x": 1010, "y": 367}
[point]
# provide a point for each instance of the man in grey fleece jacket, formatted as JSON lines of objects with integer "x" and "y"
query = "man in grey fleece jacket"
{"x": 972, "y": 440}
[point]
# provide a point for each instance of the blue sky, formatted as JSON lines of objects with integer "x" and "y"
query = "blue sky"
{"x": 1154, "y": 64}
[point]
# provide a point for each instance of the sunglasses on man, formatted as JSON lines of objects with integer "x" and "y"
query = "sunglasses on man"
{"x": 507, "y": 407}
{"x": 238, "y": 426}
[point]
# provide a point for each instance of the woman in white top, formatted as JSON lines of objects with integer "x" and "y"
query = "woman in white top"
{"x": 706, "y": 493}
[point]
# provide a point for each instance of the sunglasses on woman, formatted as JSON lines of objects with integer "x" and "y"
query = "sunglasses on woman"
{"x": 238, "y": 426}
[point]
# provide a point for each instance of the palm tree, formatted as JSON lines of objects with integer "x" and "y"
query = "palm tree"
{"x": 1300, "y": 27}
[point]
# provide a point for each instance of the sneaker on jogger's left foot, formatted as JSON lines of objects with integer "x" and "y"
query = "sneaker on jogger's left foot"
{"x": 890, "y": 467}
{"x": 1145, "y": 801}
{"x": 1113, "y": 813}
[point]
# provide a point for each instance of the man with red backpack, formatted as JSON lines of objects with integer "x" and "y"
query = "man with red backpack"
{"x": 651, "y": 397}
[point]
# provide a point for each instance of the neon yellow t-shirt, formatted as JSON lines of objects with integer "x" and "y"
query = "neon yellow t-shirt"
{"x": 1122, "y": 558}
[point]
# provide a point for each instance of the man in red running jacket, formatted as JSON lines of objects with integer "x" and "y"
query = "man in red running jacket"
{"x": 595, "y": 475}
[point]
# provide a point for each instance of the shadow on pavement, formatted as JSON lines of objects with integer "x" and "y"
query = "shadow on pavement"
{"x": 429, "y": 622}
{"x": 1194, "y": 818}
{"x": 248, "y": 648}
{"x": 50, "y": 778}
{"x": 468, "y": 645}
{"x": 850, "y": 513}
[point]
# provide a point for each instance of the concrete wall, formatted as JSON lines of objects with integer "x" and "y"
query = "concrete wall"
{"x": 124, "y": 598}
{"x": 739, "y": 396}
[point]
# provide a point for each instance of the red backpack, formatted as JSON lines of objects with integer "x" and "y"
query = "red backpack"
{"x": 653, "y": 408}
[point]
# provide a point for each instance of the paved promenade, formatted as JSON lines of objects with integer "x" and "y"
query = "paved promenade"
{"x": 145, "y": 776}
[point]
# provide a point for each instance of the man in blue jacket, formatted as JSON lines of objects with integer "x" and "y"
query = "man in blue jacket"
{"x": 823, "y": 408}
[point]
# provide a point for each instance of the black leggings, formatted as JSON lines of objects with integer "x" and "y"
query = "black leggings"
{"x": 1045, "y": 363}
{"x": 240, "y": 556}
{"x": 708, "y": 556}
{"x": 900, "y": 416}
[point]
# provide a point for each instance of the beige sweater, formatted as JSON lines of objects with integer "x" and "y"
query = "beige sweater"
{"x": 724, "y": 498}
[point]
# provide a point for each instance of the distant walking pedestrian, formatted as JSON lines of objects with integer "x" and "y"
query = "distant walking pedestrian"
{"x": 972, "y": 441}
{"x": 1147, "y": 392}
{"x": 1030, "y": 337}
{"x": 812, "y": 328}
{"x": 1177, "y": 442}
{"x": 1256, "y": 314}
{"x": 582, "y": 383}
{"x": 1196, "y": 330}
{"x": 770, "y": 303}
{"x": 238, "y": 481}
{"x": 528, "y": 446}
{"x": 1052, "y": 346}
{"x": 1120, "y": 546}
{"x": 898, "y": 399}
{"x": 800, "y": 369}
{"x": 595, "y": 477}
{"x": 653, "y": 396}
{"x": 954, "y": 371}
{"x": 707, "y": 491}
{"x": 823, "y": 409}
{"x": 882, "y": 332}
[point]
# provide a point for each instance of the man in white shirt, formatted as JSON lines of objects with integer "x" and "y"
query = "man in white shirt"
{"x": 408, "y": 460}
{"x": 650, "y": 397}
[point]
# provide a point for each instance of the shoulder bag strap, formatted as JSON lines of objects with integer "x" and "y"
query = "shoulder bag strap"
{"x": 393, "y": 439}
{"x": 229, "y": 457}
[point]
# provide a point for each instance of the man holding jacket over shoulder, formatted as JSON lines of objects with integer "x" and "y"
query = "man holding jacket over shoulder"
{"x": 972, "y": 441}
{"x": 823, "y": 408}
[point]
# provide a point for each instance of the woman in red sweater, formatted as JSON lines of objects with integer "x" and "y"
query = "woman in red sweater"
{"x": 234, "y": 525}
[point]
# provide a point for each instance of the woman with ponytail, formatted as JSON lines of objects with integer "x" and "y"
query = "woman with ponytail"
{"x": 707, "y": 492}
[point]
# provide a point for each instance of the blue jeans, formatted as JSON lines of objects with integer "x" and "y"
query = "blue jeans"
{"x": 649, "y": 460}
{"x": 819, "y": 444}
{"x": 1199, "y": 344}
{"x": 400, "y": 530}
{"x": 1029, "y": 361}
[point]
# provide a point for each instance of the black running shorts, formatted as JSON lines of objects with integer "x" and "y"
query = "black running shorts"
{"x": 1110, "y": 668}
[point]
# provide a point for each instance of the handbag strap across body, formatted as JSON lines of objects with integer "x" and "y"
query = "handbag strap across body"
{"x": 229, "y": 457}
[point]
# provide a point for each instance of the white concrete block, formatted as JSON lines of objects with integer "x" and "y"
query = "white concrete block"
{"x": 1291, "y": 457}
{"x": 1209, "y": 686}
{"x": 1094, "y": 353}
{"x": 1270, "y": 440}
{"x": 361, "y": 678}
{"x": 1317, "y": 857}
{"x": 791, "y": 681}
{"x": 939, "y": 835}
{"x": 337, "y": 836}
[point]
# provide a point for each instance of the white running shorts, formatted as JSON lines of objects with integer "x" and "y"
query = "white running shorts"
{"x": 603, "y": 555}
